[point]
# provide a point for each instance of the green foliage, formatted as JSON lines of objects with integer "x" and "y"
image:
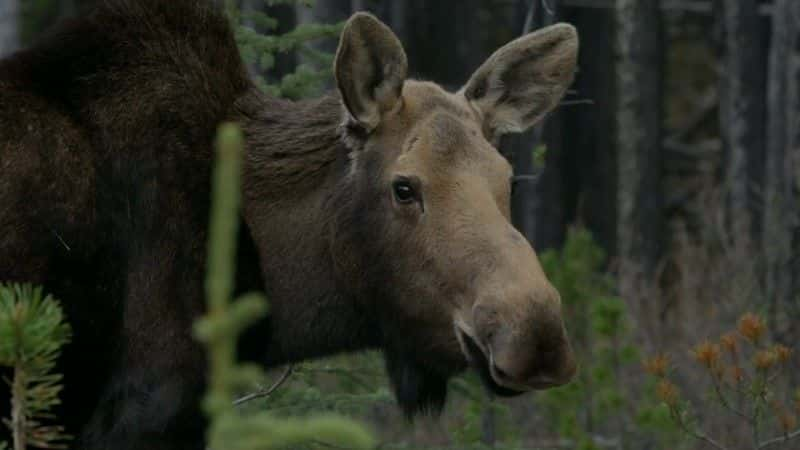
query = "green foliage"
{"x": 539, "y": 156}
{"x": 260, "y": 43}
{"x": 231, "y": 428}
{"x": 32, "y": 332}
{"x": 596, "y": 402}
{"x": 475, "y": 407}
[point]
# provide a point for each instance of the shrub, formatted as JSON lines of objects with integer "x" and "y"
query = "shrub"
{"x": 746, "y": 375}
{"x": 259, "y": 44}
{"x": 599, "y": 408}
{"x": 32, "y": 332}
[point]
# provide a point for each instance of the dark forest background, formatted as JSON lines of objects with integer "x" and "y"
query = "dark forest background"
{"x": 663, "y": 196}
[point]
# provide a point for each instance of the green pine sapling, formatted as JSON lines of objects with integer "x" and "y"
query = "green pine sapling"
{"x": 32, "y": 333}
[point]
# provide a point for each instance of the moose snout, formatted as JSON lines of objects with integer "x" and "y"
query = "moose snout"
{"x": 525, "y": 350}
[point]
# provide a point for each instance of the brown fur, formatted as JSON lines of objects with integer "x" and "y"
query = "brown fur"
{"x": 105, "y": 149}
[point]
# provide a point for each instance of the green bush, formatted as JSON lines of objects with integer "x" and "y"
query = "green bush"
{"x": 747, "y": 377}
{"x": 259, "y": 45}
{"x": 32, "y": 332}
{"x": 598, "y": 408}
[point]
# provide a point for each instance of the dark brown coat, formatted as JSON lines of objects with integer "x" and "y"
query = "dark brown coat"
{"x": 376, "y": 217}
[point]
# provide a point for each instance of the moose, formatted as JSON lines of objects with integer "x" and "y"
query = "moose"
{"x": 374, "y": 217}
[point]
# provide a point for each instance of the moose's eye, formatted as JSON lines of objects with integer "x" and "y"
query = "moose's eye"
{"x": 404, "y": 191}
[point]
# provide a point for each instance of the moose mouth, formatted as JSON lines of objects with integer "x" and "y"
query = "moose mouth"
{"x": 480, "y": 362}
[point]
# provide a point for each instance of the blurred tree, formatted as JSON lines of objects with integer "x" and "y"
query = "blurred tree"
{"x": 742, "y": 114}
{"x": 262, "y": 41}
{"x": 639, "y": 68}
{"x": 528, "y": 201}
{"x": 321, "y": 11}
{"x": 578, "y": 184}
{"x": 9, "y": 26}
{"x": 782, "y": 180}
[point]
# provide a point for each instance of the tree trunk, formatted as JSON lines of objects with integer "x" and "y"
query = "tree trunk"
{"x": 358, "y": 5}
{"x": 639, "y": 159}
{"x": 9, "y": 26}
{"x": 67, "y": 8}
{"x": 742, "y": 115}
{"x": 488, "y": 422}
{"x": 527, "y": 204}
{"x": 396, "y": 15}
{"x": 578, "y": 181}
{"x": 588, "y": 177}
{"x": 782, "y": 182}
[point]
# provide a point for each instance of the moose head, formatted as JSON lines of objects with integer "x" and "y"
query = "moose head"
{"x": 411, "y": 201}
{"x": 428, "y": 228}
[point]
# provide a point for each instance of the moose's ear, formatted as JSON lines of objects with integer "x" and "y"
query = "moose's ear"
{"x": 370, "y": 69}
{"x": 524, "y": 79}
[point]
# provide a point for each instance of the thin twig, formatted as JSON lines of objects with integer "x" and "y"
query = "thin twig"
{"x": 726, "y": 403}
{"x": 583, "y": 101}
{"x": 757, "y": 407}
{"x": 329, "y": 445}
{"x": 60, "y": 239}
{"x": 529, "y": 18}
{"x": 693, "y": 432}
{"x": 548, "y": 8}
{"x": 785, "y": 438}
{"x": 266, "y": 392}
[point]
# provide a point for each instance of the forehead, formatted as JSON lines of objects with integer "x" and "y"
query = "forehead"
{"x": 440, "y": 132}
{"x": 422, "y": 98}
{"x": 440, "y": 119}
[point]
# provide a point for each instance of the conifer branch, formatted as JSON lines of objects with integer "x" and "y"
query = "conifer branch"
{"x": 32, "y": 332}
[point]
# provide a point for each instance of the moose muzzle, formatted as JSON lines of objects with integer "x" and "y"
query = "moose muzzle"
{"x": 517, "y": 346}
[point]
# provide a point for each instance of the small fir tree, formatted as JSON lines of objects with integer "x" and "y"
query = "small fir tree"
{"x": 259, "y": 44}
{"x": 32, "y": 332}
{"x": 597, "y": 408}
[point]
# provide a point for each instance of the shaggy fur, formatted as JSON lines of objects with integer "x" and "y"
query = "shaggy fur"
{"x": 106, "y": 131}
{"x": 105, "y": 155}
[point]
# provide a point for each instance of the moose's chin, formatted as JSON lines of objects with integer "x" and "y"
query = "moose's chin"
{"x": 478, "y": 361}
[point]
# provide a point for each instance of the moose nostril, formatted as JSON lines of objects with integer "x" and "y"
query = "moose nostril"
{"x": 502, "y": 374}
{"x": 510, "y": 369}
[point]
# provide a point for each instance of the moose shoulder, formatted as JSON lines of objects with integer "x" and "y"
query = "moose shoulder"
{"x": 374, "y": 217}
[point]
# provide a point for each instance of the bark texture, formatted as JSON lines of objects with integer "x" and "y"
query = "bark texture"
{"x": 782, "y": 181}
{"x": 742, "y": 114}
{"x": 639, "y": 158}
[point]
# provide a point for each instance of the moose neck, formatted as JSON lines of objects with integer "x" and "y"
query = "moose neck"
{"x": 295, "y": 159}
